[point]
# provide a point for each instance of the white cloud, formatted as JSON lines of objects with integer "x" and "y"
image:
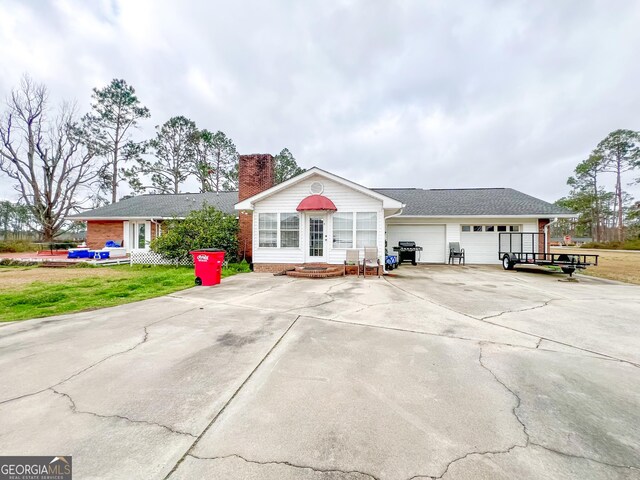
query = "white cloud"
{"x": 425, "y": 94}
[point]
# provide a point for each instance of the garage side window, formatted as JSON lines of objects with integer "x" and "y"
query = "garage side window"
{"x": 342, "y": 230}
{"x": 289, "y": 230}
{"x": 366, "y": 229}
{"x": 268, "y": 230}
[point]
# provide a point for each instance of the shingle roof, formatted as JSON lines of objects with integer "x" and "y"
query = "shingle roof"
{"x": 163, "y": 206}
{"x": 436, "y": 202}
{"x": 471, "y": 201}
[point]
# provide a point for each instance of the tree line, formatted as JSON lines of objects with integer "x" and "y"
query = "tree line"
{"x": 61, "y": 162}
{"x": 16, "y": 221}
{"x": 605, "y": 214}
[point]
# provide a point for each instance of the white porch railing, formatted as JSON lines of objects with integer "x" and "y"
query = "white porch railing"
{"x": 147, "y": 257}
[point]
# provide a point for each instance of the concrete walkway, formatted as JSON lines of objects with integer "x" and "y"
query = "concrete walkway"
{"x": 435, "y": 372}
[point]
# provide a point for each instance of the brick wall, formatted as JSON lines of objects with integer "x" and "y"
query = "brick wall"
{"x": 100, "y": 231}
{"x": 273, "y": 267}
{"x": 541, "y": 224}
{"x": 279, "y": 267}
{"x": 255, "y": 175}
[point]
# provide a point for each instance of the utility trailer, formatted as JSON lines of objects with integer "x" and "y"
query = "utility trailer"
{"x": 529, "y": 248}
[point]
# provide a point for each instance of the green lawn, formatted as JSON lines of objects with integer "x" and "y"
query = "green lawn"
{"x": 33, "y": 292}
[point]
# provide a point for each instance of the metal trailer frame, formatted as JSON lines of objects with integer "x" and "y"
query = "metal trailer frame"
{"x": 525, "y": 250}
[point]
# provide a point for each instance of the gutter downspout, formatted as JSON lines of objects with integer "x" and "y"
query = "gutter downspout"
{"x": 398, "y": 213}
{"x": 546, "y": 233}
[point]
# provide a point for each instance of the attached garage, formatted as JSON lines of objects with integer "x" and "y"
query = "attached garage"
{"x": 431, "y": 238}
{"x": 480, "y": 242}
{"x": 480, "y": 247}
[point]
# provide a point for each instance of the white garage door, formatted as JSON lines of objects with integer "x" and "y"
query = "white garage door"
{"x": 480, "y": 247}
{"x": 430, "y": 237}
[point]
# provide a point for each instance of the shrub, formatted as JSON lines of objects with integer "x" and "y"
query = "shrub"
{"x": 12, "y": 262}
{"x": 83, "y": 265}
{"x": 205, "y": 228}
{"x": 12, "y": 246}
{"x": 233, "y": 268}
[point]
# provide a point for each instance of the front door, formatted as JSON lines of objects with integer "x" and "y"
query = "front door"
{"x": 316, "y": 247}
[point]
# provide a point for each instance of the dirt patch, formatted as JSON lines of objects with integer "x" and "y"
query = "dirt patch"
{"x": 12, "y": 277}
{"x": 621, "y": 266}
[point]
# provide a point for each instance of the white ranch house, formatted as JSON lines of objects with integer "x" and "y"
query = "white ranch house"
{"x": 316, "y": 216}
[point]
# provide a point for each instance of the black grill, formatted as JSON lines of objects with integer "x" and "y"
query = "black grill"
{"x": 407, "y": 251}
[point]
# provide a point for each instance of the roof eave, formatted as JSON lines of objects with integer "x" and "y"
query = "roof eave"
{"x": 526, "y": 215}
{"x": 248, "y": 203}
{"x": 114, "y": 218}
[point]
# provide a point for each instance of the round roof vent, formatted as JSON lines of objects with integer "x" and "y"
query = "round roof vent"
{"x": 316, "y": 188}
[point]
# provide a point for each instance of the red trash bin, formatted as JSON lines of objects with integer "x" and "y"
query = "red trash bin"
{"x": 208, "y": 265}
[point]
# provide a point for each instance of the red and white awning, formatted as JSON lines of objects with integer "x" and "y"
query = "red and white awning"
{"x": 316, "y": 203}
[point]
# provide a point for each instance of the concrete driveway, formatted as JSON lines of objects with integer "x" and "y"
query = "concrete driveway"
{"x": 435, "y": 372}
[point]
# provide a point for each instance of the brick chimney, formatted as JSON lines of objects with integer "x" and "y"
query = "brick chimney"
{"x": 255, "y": 174}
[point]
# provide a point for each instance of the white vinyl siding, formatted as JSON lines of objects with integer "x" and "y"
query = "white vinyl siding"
{"x": 430, "y": 237}
{"x": 481, "y": 246}
{"x": 346, "y": 200}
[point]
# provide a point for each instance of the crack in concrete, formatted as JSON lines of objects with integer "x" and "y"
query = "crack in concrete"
{"x": 515, "y": 414}
{"x": 74, "y": 409}
{"x": 539, "y": 342}
{"x": 228, "y": 402}
{"x": 268, "y": 289}
{"x": 528, "y": 442}
{"x": 485, "y": 320}
{"x": 462, "y": 457}
{"x": 80, "y": 372}
{"x": 288, "y": 464}
{"x": 95, "y": 364}
{"x": 536, "y": 307}
{"x": 332, "y": 299}
{"x": 515, "y": 395}
{"x": 326, "y": 293}
{"x": 418, "y": 332}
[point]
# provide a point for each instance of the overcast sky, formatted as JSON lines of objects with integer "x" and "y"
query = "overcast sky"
{"x": 388, "y": 94}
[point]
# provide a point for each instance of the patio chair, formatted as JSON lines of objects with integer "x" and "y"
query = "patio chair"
{"x": 370, "y": 260}
{"x": 352, "y": 258}
{"x": 456, "y": 252}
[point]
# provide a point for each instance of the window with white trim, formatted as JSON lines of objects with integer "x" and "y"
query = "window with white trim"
{"x": 289, "y": 230}
{"x": 366, "y": 229}
{"x": 489, "y": 228}
{"x": 343, "y": 230}
{"x": 268, "y": 230}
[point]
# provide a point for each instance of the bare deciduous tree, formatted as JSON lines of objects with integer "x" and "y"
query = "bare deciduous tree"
{"x": 47, "y": 158}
